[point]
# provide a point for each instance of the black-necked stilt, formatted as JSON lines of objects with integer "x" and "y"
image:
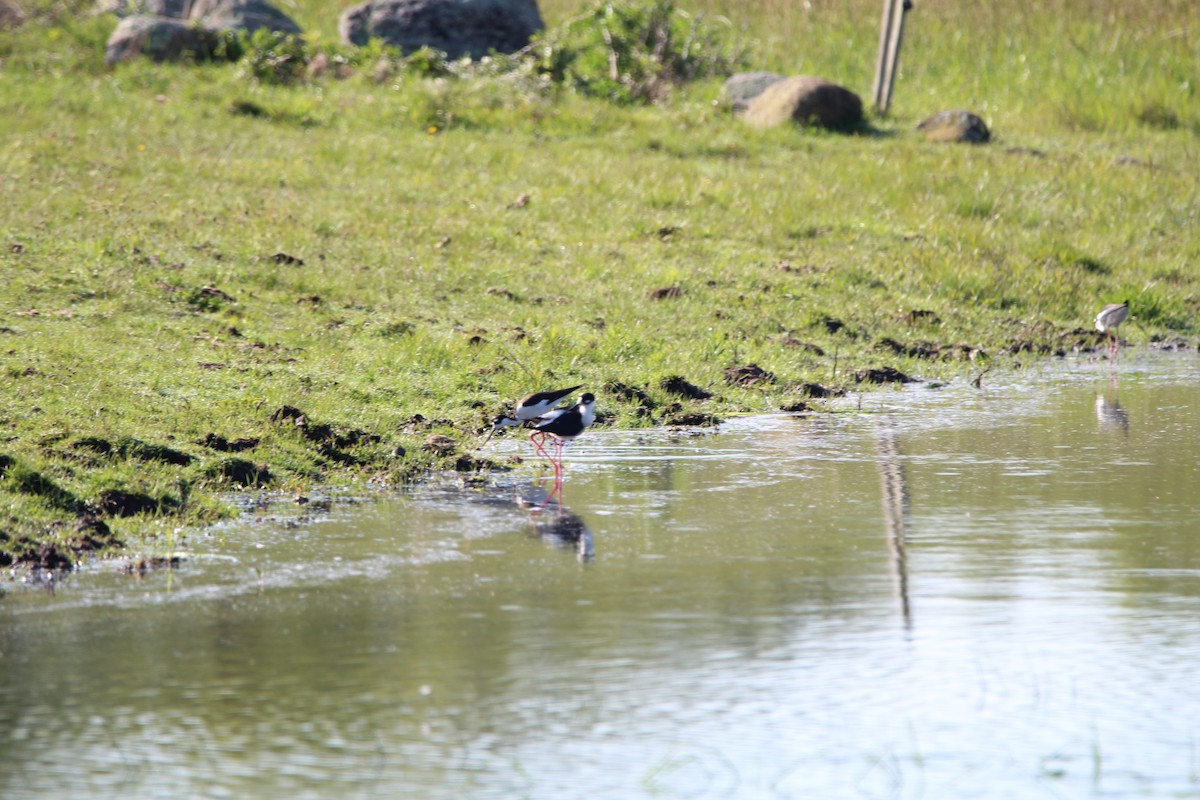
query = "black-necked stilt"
{"x": 529, "y": 408}
{"x": 564, "y": 424}
{"x": 1109, "y": 319}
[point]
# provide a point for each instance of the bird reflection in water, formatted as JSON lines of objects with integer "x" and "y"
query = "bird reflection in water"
{"x": 1109, "y": 412}
{"x": 563, "y": 528}
{"x": 895, "y": 513}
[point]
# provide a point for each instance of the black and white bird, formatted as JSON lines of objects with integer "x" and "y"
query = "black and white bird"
{"x": 529, "y": 408}
{"x": 1109, "y": 319}
{"x": 564, "y": 424}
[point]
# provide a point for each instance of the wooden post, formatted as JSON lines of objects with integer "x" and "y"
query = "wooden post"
{"x": 891, "y": 33}
{"x": 881, "y": 58}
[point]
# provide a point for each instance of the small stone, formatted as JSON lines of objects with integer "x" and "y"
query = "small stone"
{"x": 955, "y": 126}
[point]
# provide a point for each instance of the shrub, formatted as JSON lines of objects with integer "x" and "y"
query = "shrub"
{"x": 635, "y": 52}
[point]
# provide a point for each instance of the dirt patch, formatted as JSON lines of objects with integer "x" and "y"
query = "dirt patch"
{"x": 223, "y": 445}
{"x": 882, "y": 375}
{"x": 666, "y": 293}
{"x": 145, "y": 451}
{"x": 676, "y": 384}
{"x": 630, "y": 394}
{"x": 128, "y": 447}
{"x": 120, "y": 503}
{"x": 498, "y": 291}
{"x": 241, "y": 472}
{"x": 831, "y": 325}
{"x": 331, "y": 443}
{"x": 748, "y": 375}
{"x": 440, "y": 445}
{"x": 47, "y": 556}
{"x": 787, "y": 340}
{"x": 691, "y": 419}
{"x": 90, "y": 534}
{"x": 287, "y": 260}
{"x": 926, "y": 350}
{"x": 94, "y": 444}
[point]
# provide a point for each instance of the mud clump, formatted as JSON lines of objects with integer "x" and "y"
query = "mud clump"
{"x": 330, "y": 443}
{"x": 882, "y": 375}
{"x": 679, "y": 385}
{"x": 666, "y": 293}
{"x": 90, "y": 534}
{"x": 818, "y": 392}
{"x": 120, "y": 503}
{"x": 832, "y": 325}
{"x": 787, "y": 340}
{"x": 222, "y": 445}
{"x": 748, "y": 375}
{"x": 692, "y": 419}
{"x": 440, "y": 445}
{"x": 924, "y": 350}
{"x": 241, "y": 472}
{"x": 128, "y": 447}
{"x": 630, "y": 394}
{"x": 94, "y": 444}
{"x": 47, "y": 556}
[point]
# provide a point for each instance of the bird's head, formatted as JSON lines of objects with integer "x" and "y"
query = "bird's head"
{"x": 504, "y": 421}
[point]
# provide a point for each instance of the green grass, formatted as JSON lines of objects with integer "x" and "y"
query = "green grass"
{"x": 143, "y": 306}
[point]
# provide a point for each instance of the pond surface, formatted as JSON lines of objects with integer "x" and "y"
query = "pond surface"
{"x": 967, "y": 593}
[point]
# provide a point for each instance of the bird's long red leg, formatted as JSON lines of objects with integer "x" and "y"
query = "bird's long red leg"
{"x": 538, "y": 442}
{"x": 558, "y": 473}
{"x": 557, "y": 462}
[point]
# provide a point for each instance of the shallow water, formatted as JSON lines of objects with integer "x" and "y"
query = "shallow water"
{"x": 959, "y": 593}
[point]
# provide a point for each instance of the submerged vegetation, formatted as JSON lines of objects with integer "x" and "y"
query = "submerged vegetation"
{"x": 296, "y": 266}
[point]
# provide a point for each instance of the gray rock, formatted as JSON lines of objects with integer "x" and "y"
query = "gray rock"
{"x": 955, "y": 126}
{"x": 807, "y": 101}
{"x": 11, "y": 14}
{"x": 457, "y": 27}
{"x": 242, "y": 15}
{"x": 197, "y": 30}
{"x": 742, "y": 87}
{"x": 160, "y": 39}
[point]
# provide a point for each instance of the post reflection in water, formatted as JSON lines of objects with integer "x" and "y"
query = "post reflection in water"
{"x": 1109, "y": 412}
{"x": 895, "y": 511}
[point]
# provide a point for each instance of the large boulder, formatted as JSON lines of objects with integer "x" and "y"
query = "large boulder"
{"x": 742, "y": 87}
{"x": 159, "y": 38}
{"x": 805, "y": 100}
{"x": 242, "y": 15}
{"x": 167, "y": 30}
{"x": 456, "y": 27}
{"x": 955, "y": 126}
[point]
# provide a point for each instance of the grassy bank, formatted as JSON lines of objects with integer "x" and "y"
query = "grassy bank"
{"x": 187, "y": 251}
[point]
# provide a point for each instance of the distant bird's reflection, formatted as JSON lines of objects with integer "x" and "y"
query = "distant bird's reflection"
{"x": 894, "y": 489}
{"x": 1109, "y": 412}
{"x": 552, "y": 522}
